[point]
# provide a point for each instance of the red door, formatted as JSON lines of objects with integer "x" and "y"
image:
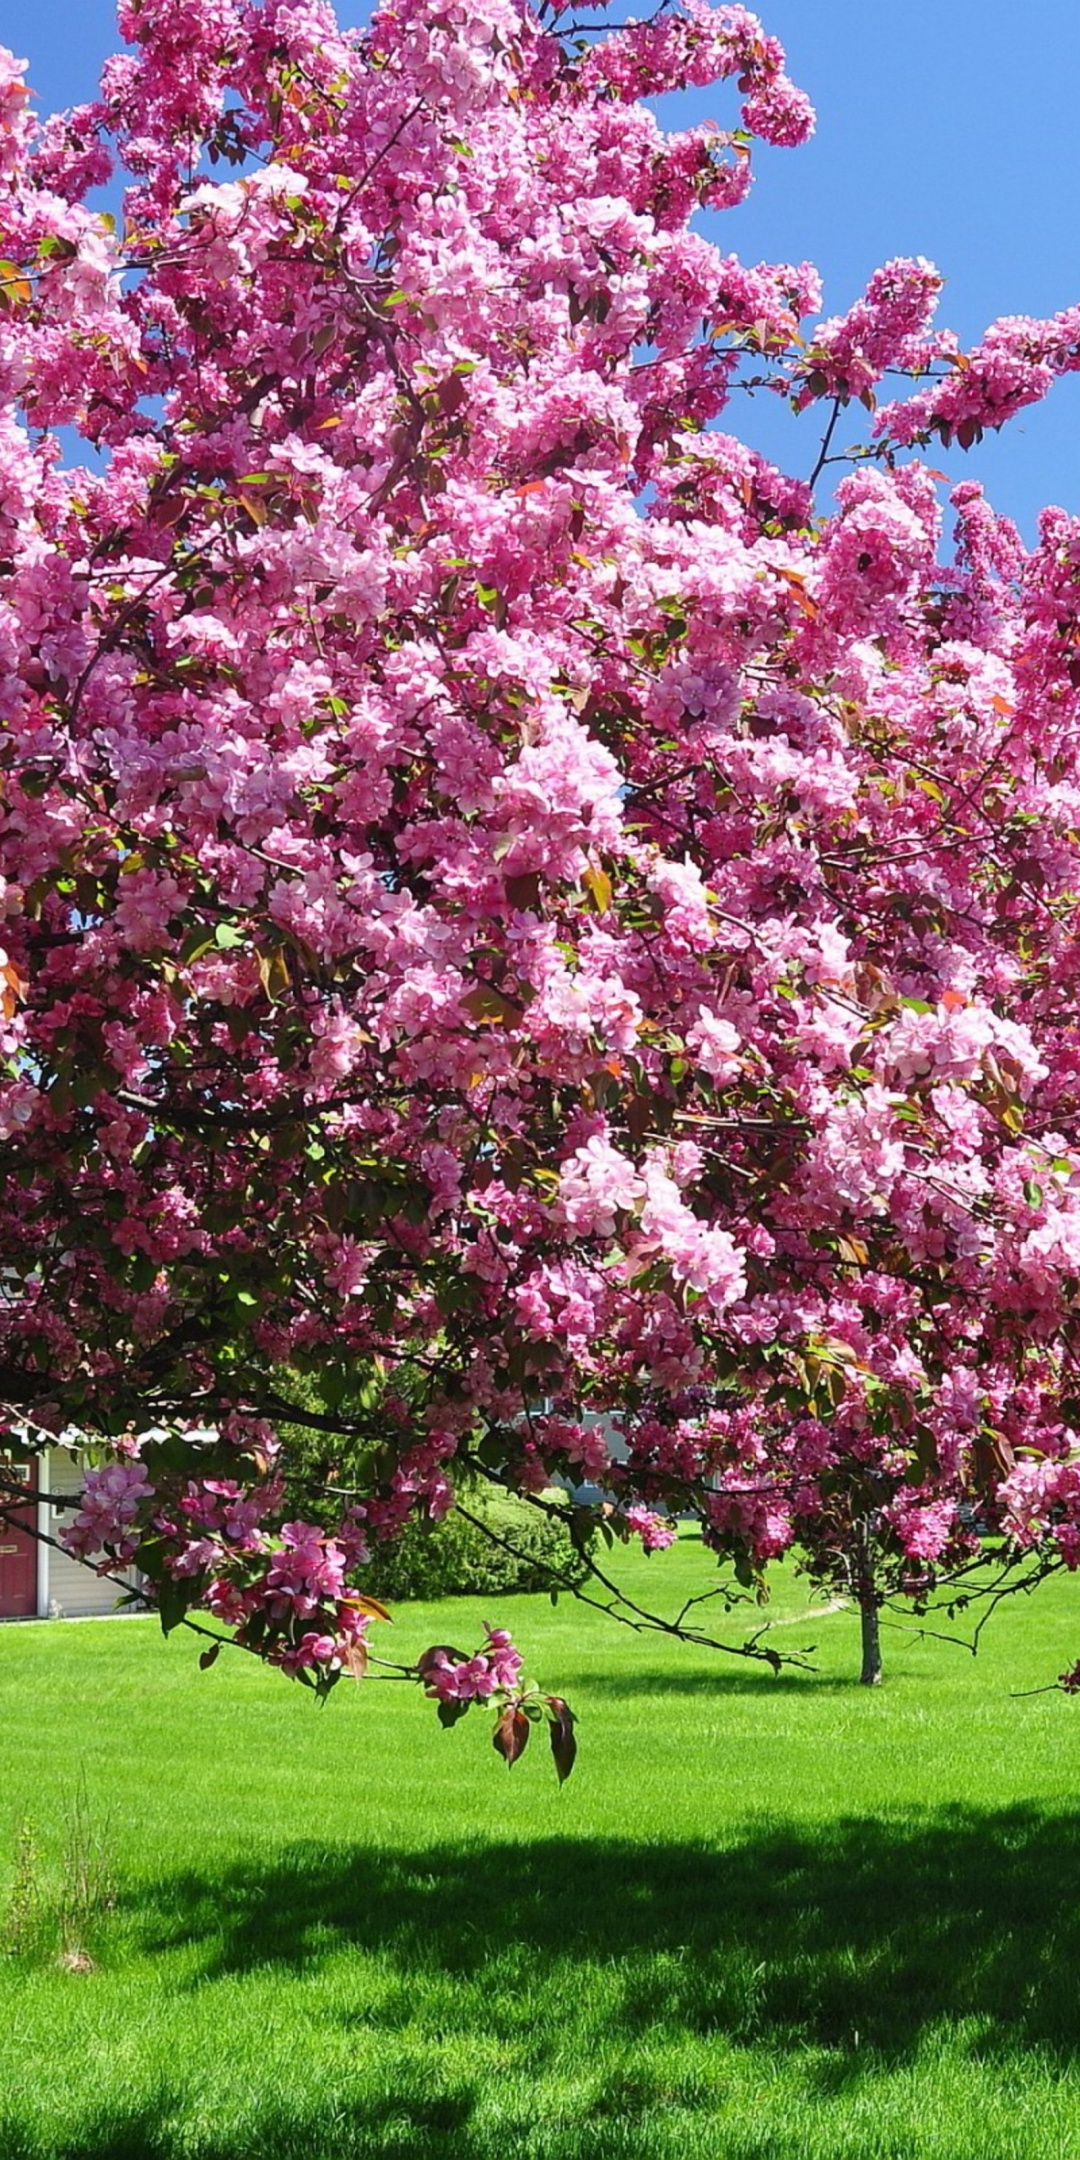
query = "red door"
{"x": 18, "y": 1548}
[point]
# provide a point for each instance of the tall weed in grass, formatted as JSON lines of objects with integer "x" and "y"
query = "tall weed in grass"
{"x": 59, "y": 1898}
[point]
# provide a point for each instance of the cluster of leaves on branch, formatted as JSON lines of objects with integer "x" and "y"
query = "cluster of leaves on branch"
{"x": 499, "y": 892}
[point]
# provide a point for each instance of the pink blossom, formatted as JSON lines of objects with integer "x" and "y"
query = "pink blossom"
{"x": 597, "y": 1184}
{"x": 107, "y": 1520}
{"x": 924, "y": 1531}
{"x": 886, "y": 328}
{"x": 475, "y": 1679}
{"x": 716, "y": 1044}
{"x": 655, "y": 1531}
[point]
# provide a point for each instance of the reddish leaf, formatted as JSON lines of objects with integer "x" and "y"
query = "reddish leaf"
{"x": 209, "y": 1657}
{"x": 523, "y": 889}
{"x": 15, "y": 287}
{"x": 1004, "y": 1452}
{"x": 274, "y": 973}
{"x": 168, "y": 510}
{"x": 355, "y": 1658}
{"x": 563, "y": 1742}
{"x": 798, "y": 591}
{"x": 370, "y": 1605}
{"x": 12, "y": 988}
{"x": 451, "y": 395}
{"x": 511, "y": 1735}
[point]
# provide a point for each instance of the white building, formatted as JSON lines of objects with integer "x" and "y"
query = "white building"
{"x": 36, "y": 1580}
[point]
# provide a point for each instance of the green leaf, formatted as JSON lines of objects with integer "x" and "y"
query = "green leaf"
{"x": 196, "y": 944}
{"x": 449, "y": 1712}
{"x": 172, "y": 1604}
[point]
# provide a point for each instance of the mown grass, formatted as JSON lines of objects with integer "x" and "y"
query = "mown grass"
{"x": 767, "y": 1919}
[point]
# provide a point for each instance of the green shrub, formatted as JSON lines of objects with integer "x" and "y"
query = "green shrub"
{"x": 458, "y": 1558}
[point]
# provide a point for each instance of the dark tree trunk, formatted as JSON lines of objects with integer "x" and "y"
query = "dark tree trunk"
{"x": 869, "y": 1603}
{"x": 871, "y": 1643}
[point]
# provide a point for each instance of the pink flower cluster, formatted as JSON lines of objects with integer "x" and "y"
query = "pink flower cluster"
{"x": 307, "y": 1570}
{"x": 598, "y": 1184}
{"x": 452, "y": 1677}
{"x": 707, "y": 1260}
{"x": 887, "y": 328}
{"x": 924, "y": 1531}
{"x": 702, "y": 44}
{"x": 1017, "y": 362}
{"x": 655, "y": 1531}
{"x": 109, "y": 1514}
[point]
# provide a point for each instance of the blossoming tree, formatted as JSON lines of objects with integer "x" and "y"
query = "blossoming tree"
{"x": 516, "y": 926}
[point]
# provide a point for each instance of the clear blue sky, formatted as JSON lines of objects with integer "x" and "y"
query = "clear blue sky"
{"x": 946, "y": 128}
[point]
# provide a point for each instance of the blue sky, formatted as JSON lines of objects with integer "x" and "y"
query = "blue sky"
{"x": 946, "y": 128}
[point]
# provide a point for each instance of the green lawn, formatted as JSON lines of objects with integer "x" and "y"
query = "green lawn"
{"x": 766, "y": 1920}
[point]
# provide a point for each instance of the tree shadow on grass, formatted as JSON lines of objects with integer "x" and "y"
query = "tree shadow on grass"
{"x": 405, "y": 2127}
{"x": 838, "y": 1946}
{"x": 862, "y": 1933}
{"x": 758, "y": 1681}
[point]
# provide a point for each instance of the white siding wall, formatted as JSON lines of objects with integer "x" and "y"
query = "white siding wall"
{"x": 74, "y": 1591}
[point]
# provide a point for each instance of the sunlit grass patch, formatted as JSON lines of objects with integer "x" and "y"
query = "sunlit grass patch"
{"x": 766, "y": 1920}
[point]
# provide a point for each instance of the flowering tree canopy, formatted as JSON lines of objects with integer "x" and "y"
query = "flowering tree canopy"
{"x": 516, "y": 927}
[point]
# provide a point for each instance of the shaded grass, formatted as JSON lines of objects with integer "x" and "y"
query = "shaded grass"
{"x": 859, "y": 1934}
{"x": 789, "y": 1918}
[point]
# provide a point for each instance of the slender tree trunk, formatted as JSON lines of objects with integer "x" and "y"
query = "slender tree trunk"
{"x": 871, "y": 1643}
{"x": 868, "y": 1603}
